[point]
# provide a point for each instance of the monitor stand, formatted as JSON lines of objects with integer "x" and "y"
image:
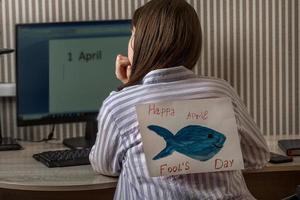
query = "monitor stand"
{"x": 84, "y": 142}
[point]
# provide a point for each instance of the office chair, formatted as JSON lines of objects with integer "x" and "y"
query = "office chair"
{"x": 295, "y": 196}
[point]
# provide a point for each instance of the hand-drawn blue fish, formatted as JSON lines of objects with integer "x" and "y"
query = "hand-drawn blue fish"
{"x": 195, "y": 141}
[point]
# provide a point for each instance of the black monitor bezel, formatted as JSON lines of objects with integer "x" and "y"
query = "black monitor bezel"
{"x": 83, "y": 117}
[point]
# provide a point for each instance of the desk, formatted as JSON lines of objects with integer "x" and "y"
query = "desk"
{"x": 19, "y": 173}
{"x": 21, "y": 177}
{"x": 275, "y": 181}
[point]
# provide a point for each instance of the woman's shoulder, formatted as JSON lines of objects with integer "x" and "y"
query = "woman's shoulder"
{"x": 116, "y": 98}
{"x": 218, "y": 85}
{"x": 214, "y": 81}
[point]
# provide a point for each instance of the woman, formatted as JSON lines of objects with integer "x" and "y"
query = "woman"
{"x": 164, "y": 47}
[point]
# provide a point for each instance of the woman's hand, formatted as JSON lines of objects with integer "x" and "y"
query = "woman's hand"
{"x": 123, "y": 68}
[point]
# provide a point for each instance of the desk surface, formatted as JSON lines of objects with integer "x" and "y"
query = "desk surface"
{"x": 273, "y": 146}
{"x": 18, "y": 170}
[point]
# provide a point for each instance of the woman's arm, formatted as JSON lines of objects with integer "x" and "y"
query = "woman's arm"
{"x": 254, "y": 147}
{"x": 107, "y": 153}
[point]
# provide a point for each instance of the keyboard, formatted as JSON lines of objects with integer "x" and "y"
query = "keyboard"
{"x": 64, "y": 158}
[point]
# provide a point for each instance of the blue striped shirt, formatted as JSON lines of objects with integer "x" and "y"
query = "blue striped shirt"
{"x": 118, "y": 150}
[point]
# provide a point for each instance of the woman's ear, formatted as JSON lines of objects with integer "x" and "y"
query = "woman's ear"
{"x": 130, "y": 46}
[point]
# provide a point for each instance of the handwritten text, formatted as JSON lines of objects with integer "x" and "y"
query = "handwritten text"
{"x": 184, "y": 166}
{"x": 223, "y": 164}
{"x": 153, "y": 109}
{"x": 200, "y": 115}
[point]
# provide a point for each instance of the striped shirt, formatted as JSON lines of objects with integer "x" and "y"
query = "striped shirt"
{"x": 118, "y": 150}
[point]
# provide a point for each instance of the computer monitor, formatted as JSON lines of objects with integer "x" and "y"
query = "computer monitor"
{"x": 65, "y": 71}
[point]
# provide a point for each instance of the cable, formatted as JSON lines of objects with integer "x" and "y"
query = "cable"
{"x": 49, "y": 137}
{"x": 51, "y": 134}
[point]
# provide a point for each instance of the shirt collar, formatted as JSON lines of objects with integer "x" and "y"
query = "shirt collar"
{"x": 168, "y": 75}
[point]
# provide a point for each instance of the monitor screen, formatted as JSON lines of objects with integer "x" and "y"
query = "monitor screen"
{"x": 66, "y": 70}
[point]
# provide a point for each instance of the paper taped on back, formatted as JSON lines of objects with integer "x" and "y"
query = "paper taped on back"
{"x": 190, "y": 136}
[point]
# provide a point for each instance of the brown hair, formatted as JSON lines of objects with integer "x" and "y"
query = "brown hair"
{"x": 167, "y": 34}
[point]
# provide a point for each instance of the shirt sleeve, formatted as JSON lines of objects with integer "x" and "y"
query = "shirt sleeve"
{"x": 253, "y": 145}
{"x": 107, "y": 153}
{"x": 254, "y": 148}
